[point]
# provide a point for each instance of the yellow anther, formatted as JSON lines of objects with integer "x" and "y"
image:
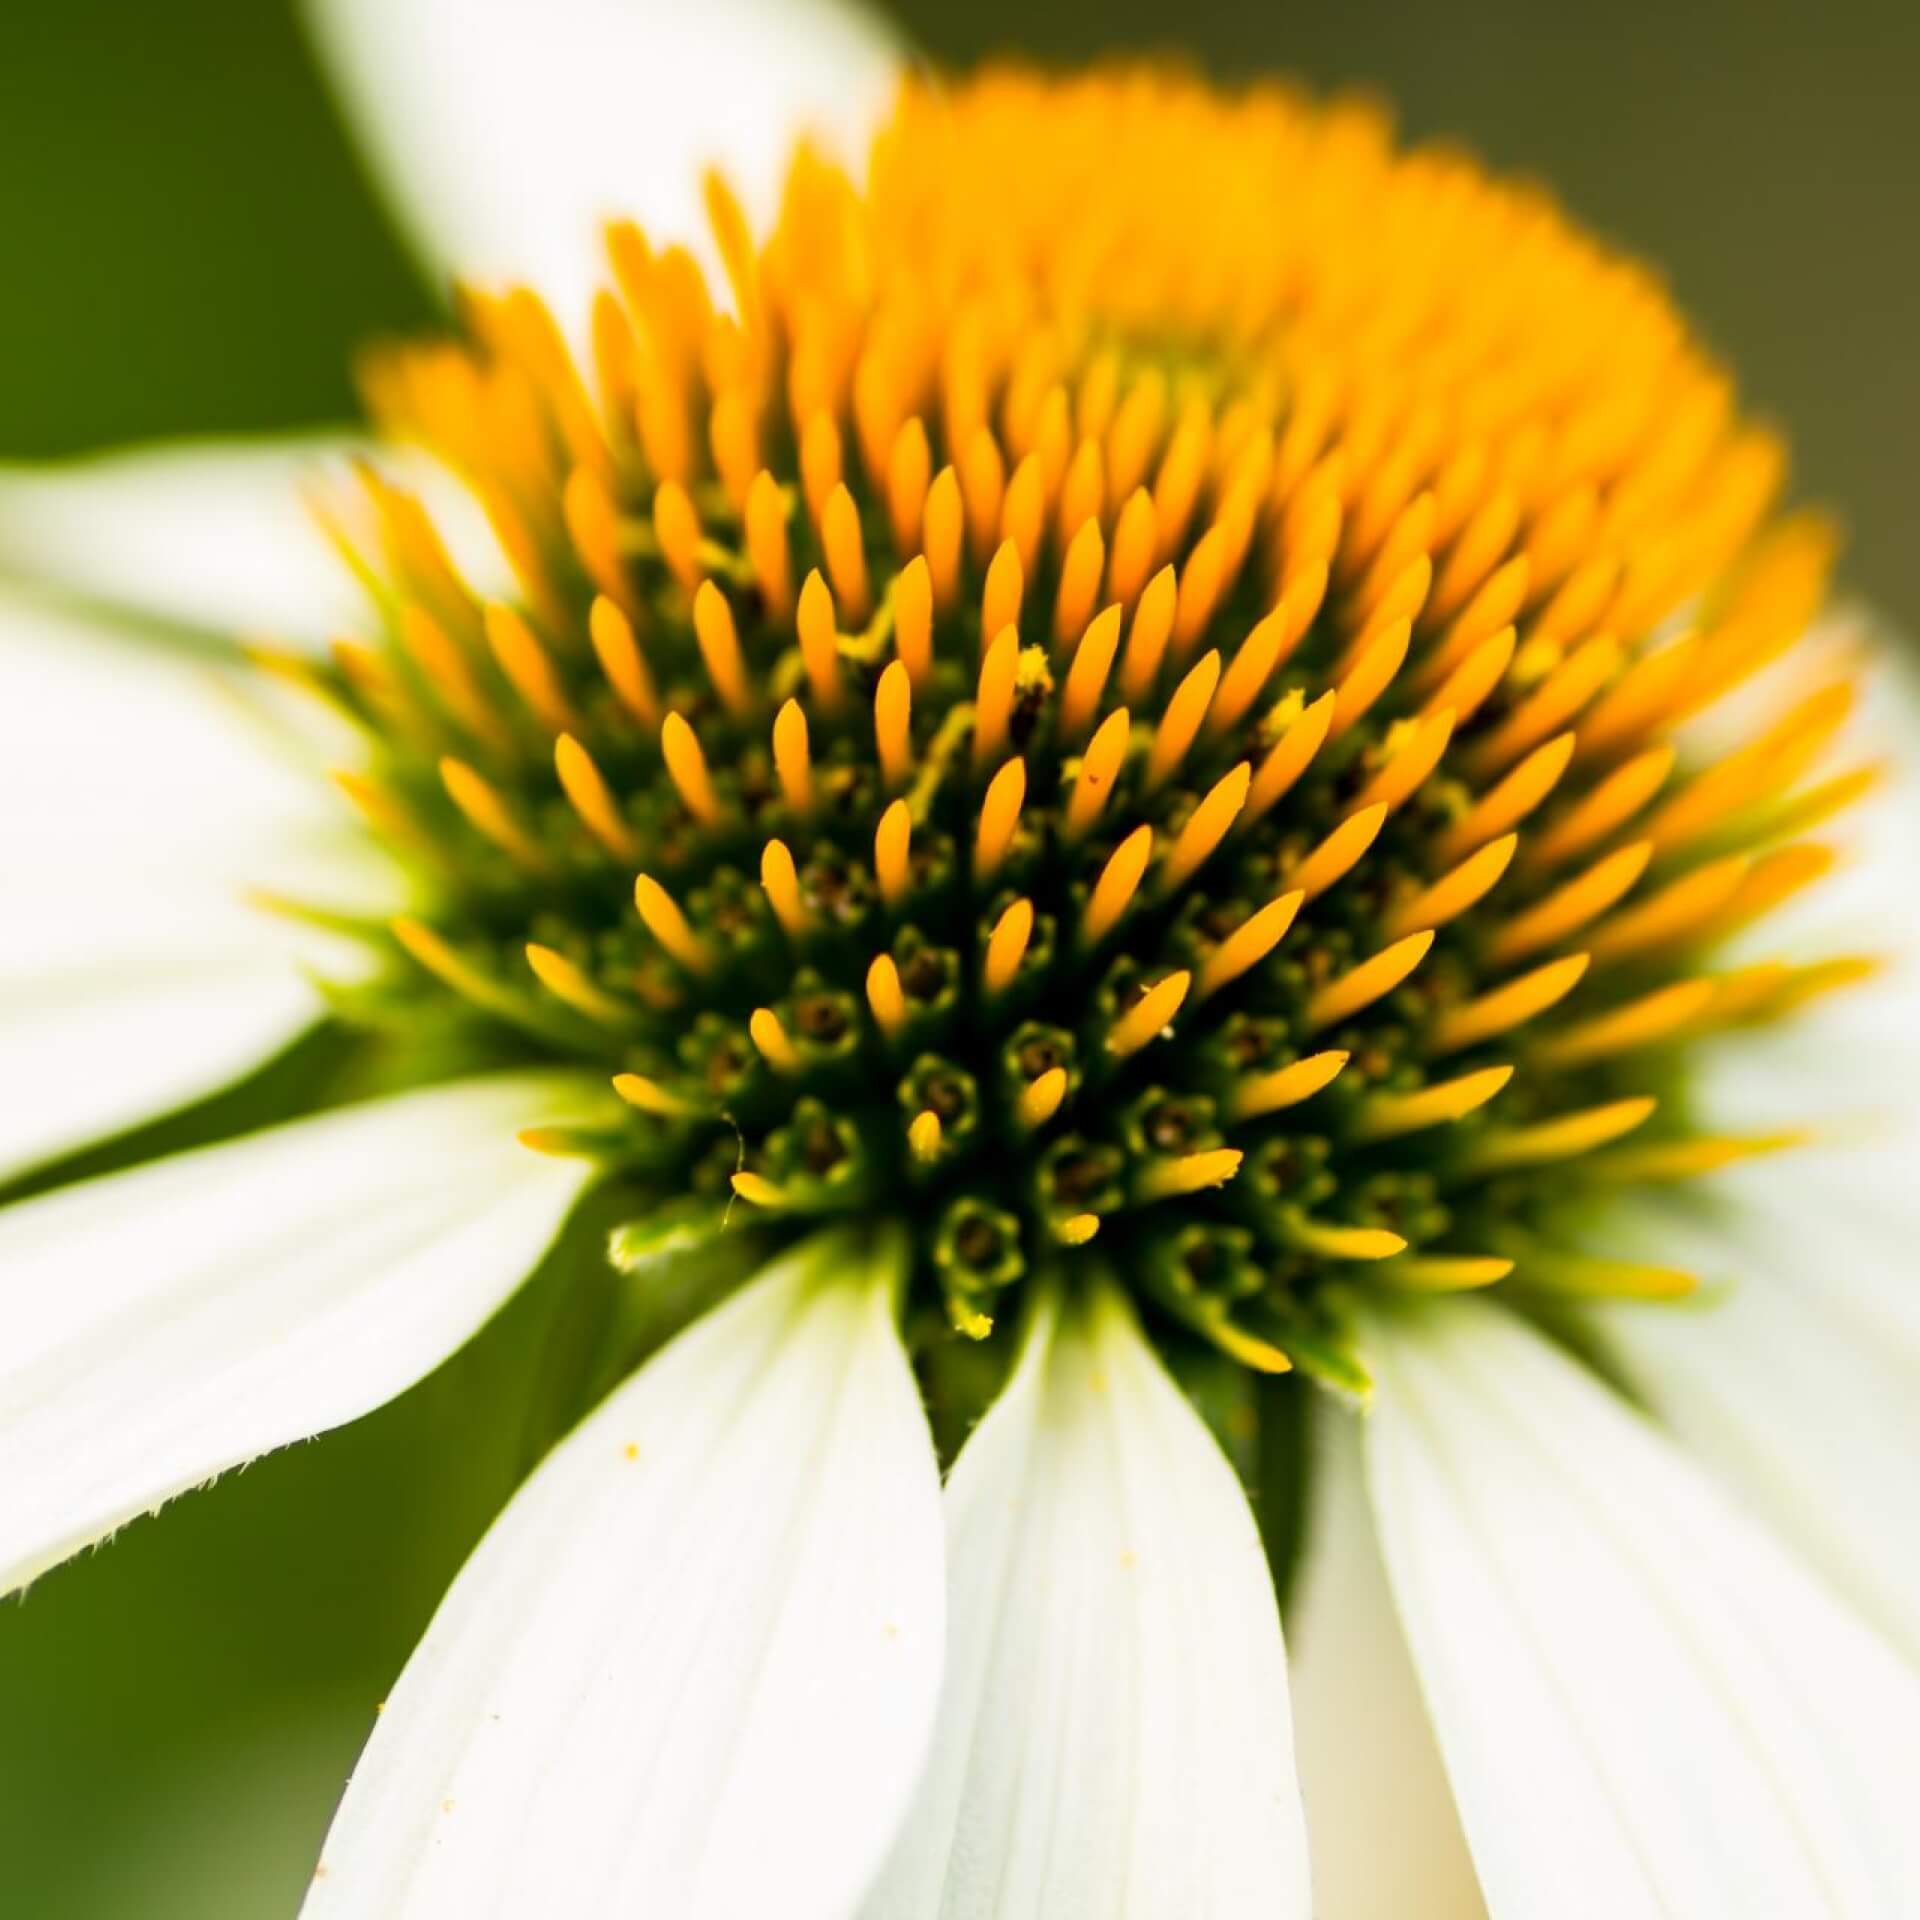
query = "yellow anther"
{"x": 1260, "y": 656}
{"x": 1418, "y": 752}
{"x": 1289, "y": 758}
{"x": 1456, "y": 890}
{"x": 687, "y": 769}
{"x": 1447, "y": 1273}
{"x": 892, "y": 724}
{"x": 1360, "y": 986}
{"x": 1147, "y": 638}
{"x": 567, "y": 982}
{"x": 909, "y": 471}
{"x": 846, "y": 556}
{"x": 1147, "y": 1018}
{"x": 1466, "y": 688}
{"x": 591, "y": 798}
{"x": 1654, "y": 1017}
{"x": 1077, "y": 1229}
{"x": 1206, "y": 827}
{"x": 942, "y": 526}
{"x": 637, "y": 1090}
{"x": 1040, "y": 1099}
{"x": 1079, "y": 589}
{"x": 819, "y": 629}
{"x": 913, "y": 619}
{"x": 1371, "y": 674}
{"x": 820, "y": 464}
{"x": 1180, "y": 724}
{"x": 720, "y": 648}
{"x": 1087, "y": 675}
{"x": 1099, "y": 768}
{"x": 1507, "y": 804}
{"x": 1508, "y": 1006}
{"x": 771, "y": 1038}
{"x": 993, "y": 699}
{"x": 1571, "y": 906}
{"x": 1595, "y": 815}
{"x": 677, "y": 527}
{"x": 767, "y": 543}
{"x": 1336, "y": 856}
{"x": 793, "y": 757}
{"x": 1006, "y": 947}
{"x": 892, "y": 845}
{"x": 1023, "y": 513}
{"x": 623, "y": 663}
{"x": 923, "y": 1137}
{"x": 1384, "y": 1115}
{"x": 490, "y": 815}
{"x": 524, "y": 661}
{"x": 1119, "y": 880}
{"x": 663, "y": 919}
{"x": 888, "y": 1002}
{"x": 1001, "y": 596}
{"x": 758, "y": 1191}
{"x": 999, "y": 818}
{"x": 1263, "y": 1093}
{"x": 1247, "y": 945}
{"x": 1677, "y": 910}
{"x": 1334, "y": 1242}
{"x": 1135, "y": 539}
{"x": 1190, "y": 1173}
{"x": 1562, "y": 1138}
{"x": 781, "y": 879}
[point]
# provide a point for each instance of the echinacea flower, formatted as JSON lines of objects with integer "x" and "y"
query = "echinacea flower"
{"x": 1155, "y": 775}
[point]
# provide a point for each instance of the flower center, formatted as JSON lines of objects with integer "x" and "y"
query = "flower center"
{"x": 1120, "y": 703}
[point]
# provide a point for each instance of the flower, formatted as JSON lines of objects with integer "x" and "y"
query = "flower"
{"x": 1170, "y": 761}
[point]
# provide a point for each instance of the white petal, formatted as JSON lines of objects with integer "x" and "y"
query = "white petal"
{"x": 1645, "y": 1707}
{"x": 1788, "y": 1378}
{"x": 144, "y": 788}
{"x": 219, "y": 535}
{"x": 1114, "y": 1734}
{"x": 693, "y": 1668}
{"x": 508, "y": 133}
{"x": 1386, "y": 1839}
{"x": 166, "y": 1324}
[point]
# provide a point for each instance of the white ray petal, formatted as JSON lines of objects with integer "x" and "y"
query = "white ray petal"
{"x": 1114, "y": 1733}
{"x": 1380, "y": 1816}
{"x": 1646, "y": 1708}
{"x": 507, "y": 133}
{"x": 219, "y": 534}
{"x": 1788, "y": 1375}
{"x": 693, "y": 1669}
{"x": 144, "y": 789}
{"x": 166, "y": 1324}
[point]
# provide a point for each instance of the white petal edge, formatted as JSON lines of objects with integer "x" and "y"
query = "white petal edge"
{"x": 1786, "y": 1376}
{"x": 1646, "y": 1707}
{"x": 220, "y": 535}
{"x": 145, "y": 788}
{"x": 693, "y": 1668}
{"x": 1114, "y": 1734}
{"x": 166, "y": 1324}
{"x": 1380, "y": 1816}
{"x": 506, "y": 134}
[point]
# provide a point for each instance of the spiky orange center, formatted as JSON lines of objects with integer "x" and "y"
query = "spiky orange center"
{"x": 1119, "y": 695}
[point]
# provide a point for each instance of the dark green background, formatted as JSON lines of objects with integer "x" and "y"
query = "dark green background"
{"x": 189, "y": 246}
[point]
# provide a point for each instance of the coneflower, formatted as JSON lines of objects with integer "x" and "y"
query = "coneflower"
{"x": 1150, "y": 737}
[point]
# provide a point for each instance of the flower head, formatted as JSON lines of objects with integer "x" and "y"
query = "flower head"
{"x": 1097, "y": 754}
{"x": 1120, "y": 684}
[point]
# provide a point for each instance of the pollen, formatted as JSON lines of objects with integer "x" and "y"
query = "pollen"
{"x": 1122, "y": 690}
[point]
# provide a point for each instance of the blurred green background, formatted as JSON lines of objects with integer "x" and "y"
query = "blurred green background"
{"x": 191, "y": 247}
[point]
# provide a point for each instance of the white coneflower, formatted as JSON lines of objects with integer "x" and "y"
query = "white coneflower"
{"x": 1180, "y": 765}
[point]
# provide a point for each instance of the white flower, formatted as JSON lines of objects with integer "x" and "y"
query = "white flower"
{"x": 732, "y": 1650}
